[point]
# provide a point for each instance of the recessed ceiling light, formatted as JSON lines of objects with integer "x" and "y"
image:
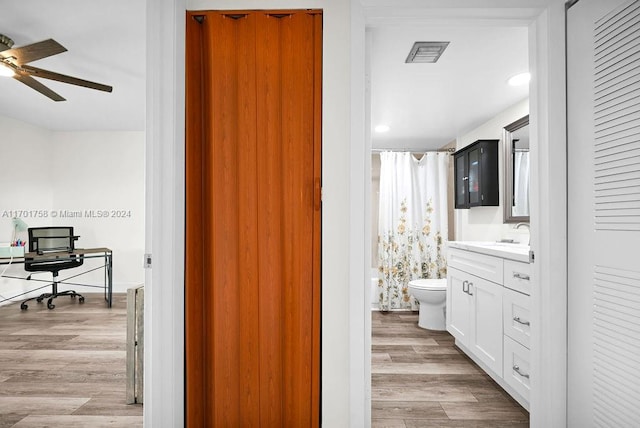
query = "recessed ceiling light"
{"x": 5, "y": 71}
{"x": 520, "y": 79}
{"x": 382, "y": 128}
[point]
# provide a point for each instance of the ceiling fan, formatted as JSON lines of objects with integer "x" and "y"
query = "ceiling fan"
{"x": 13, "y": 62}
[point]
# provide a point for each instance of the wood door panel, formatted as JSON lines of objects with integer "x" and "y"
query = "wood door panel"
{"x": 194, "y": 227}
{"x": 222, "y": 281}
{"x": 270, "y": 188}
{"x": 253, "y": 220}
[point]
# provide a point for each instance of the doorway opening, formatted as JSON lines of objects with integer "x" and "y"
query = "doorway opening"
{"x": 461, "y": 98}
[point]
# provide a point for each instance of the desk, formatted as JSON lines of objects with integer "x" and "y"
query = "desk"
{"x": 87, "y": 253}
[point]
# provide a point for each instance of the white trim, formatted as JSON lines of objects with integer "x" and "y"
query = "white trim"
{"x": 546, "y": 44}
{"x": 164, "y": 285}
{"x": 548, "y": 219}
{"x": 360, "y": 235}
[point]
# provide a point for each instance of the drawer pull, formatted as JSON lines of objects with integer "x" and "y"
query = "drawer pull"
{"x": 518, "y": 320}
{"x": 516, "y": 369}
{"x": 522, "y": 276}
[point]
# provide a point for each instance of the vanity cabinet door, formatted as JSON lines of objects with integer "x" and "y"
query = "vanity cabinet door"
{"x": 486, "y": 321}
{"x": 461, "y": 181}
{"x": 458, "y": 305}
{"x": 474, "y": 157}
{"x": 474, "y": 316}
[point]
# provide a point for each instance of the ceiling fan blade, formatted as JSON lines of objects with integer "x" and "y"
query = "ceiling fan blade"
{"x": 32, "y": 52}
{"x": 34, "y": 84}
{"x": 46, "y": 74}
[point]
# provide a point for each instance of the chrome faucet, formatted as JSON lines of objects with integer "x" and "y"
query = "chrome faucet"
{"x": 519, "y": 225}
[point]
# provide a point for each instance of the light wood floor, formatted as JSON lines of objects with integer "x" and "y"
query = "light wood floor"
{"x": 420, "y": 379}
{"x": 65, "y": 367}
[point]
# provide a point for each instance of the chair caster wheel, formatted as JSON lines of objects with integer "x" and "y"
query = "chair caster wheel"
{"x": 50, "y": 305}
{"x": 24, "y": 307}
{"x": 73, "y": 296}
{"x": 81, "y": 300}
{"x": 39, "y": 300}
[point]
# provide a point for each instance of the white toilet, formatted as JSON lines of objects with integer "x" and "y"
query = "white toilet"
{"x": 432, "y": 295}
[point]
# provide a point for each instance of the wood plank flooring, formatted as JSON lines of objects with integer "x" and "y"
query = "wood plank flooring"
{"x": 420, "y": 379}
{"x": 65, "y": 367}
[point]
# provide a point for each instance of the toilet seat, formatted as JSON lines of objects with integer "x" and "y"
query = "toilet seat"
{"x": 429, "y": 284}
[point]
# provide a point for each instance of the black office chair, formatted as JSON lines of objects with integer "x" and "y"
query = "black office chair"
{"x": 43, "y": 240}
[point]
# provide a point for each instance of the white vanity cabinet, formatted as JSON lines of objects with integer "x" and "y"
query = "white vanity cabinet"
{"x": 517, "y": 326}
{"x": 475, "y": 316}
{"x": 489, "y": 314}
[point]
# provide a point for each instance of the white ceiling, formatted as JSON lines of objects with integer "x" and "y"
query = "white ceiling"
{"x": 105, "y": 40}
{"x": 429, "y": 105}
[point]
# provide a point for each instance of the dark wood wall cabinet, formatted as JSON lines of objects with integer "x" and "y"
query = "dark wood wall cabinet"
{"x": 476, "y": 175}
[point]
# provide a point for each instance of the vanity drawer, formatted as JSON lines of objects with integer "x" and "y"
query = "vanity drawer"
{"x": 516, "y": 369}
{"x": 517, "y": 276}
{"x": 487, "y": 267}
{"x": 516, "y": 309}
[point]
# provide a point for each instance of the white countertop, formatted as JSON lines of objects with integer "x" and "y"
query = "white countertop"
{"x": 517, "y": 252}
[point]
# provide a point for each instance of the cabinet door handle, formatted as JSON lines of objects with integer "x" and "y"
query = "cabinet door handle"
{"x": 469, "y": 289}
{"x": 519, "y": 275}
{"x": 516, "y": 368}
{"x": 465, "y": 284}
{"x": 518, "y": 320}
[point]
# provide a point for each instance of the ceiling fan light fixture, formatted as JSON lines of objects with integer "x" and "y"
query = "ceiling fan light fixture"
{"x": 16, "y": 59}
{"x": 5, "y": 71}
{"x": 5, "y": 42}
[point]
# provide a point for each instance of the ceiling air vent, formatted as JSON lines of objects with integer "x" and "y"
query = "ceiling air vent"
{"x": 426, "y": 52}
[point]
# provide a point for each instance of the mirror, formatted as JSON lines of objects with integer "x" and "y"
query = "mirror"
{"x": 516, "y": 176}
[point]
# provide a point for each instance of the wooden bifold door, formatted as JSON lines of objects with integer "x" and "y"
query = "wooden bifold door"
{"x": 253, "y": 136}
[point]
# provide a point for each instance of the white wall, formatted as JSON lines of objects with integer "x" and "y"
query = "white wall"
{"x": 103, "y": 172}
{"x": 486, "y": 223}
{"x": 49, "y": 174}
{"x": 24, "y": 186}
{"x": 375, "y": 207}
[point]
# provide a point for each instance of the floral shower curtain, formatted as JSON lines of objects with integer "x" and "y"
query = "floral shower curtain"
{"x": 412, "y": 224}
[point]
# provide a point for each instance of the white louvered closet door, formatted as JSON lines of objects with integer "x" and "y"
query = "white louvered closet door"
{"x": 603, "y": 78}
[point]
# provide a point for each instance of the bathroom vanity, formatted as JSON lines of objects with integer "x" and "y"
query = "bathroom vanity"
{"x": 488, "y": 310}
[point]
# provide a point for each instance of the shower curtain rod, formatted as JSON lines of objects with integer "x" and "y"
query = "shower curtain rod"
{"x": 413, "y": 150}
